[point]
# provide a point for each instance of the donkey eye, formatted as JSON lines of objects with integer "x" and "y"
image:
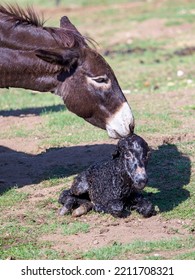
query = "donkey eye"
{"x": 102, "y": 82}
{"x": 102, "y": 79}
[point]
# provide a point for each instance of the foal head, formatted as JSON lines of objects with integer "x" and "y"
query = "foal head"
{"x": 134, "y": 151}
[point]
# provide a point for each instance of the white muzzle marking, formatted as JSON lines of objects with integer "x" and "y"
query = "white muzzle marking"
{"x": 119, "y": 125}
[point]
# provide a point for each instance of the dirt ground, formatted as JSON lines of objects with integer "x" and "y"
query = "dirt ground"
{"x": 25, "y": 165}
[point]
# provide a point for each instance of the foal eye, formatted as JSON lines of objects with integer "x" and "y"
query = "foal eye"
{"x": 128, "y": 156}
{"x": 102, "y": 79}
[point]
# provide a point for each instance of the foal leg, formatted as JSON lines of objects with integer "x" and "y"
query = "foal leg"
{"x": 80, "y": 187}
{"x": 84, "y": 207}
{"x": 113, "y": 207}
{"x": 142, "y": 205}
{"x": 70, "y": 198}
{"x": 68, "y": 201}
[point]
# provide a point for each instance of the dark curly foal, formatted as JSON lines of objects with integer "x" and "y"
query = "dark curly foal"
{"x": 112, "y": 186}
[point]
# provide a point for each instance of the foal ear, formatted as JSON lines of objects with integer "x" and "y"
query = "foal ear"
{"x": 119, "y": 149}
{"x": 148, "y": 154}
{"x": 122, "y": 145}
{"x": 116, "y": 154}
{"x": 65, "y": 58}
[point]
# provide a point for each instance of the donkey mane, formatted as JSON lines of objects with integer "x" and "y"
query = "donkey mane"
{"x": 63, "y": 36}
{"x": 18, "y": 15}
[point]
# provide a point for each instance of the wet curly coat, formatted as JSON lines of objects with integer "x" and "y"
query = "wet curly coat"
{"x": 112, "y": 186}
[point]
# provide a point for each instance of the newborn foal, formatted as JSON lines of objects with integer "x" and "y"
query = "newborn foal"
{"x": 112, "y": 186}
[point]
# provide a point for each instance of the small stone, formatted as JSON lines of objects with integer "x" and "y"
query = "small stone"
{"x": 39, "y": 195}
{"x": 156, "y": 255}
{"x": 103, "y": 230}
{"x": 180, "y": 73}
{"x": 10, "y": 258}
{"x": 114, "y": 224}
{"x": 95, "y": 242}
{"x": 105, "y": 224}
{"x": 170, "y": 84}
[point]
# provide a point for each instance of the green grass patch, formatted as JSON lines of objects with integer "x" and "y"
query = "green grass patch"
{"x": 18, "y": 132}
{"x": 152, "y": 70}
{"x": 139, "y": 247}
{"x": 25, "y": 251}
{"x": 186, "y": 256}
{"x": 69, "y": 3}
{"x": 65, "y": 128}
{"x": 12, "y": 197}
{"x": 16, "y": 99}
{"x": 74, "y": 228}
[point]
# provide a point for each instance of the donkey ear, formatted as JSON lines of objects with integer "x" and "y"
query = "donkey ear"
{"x": 65, "y": 23}
{"x": 65, "y": 59}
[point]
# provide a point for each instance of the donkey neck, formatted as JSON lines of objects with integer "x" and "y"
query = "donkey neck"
{"x": 22, "y": 39}
{"x": 24, "y": 70}
{"x": 25, "y": 36}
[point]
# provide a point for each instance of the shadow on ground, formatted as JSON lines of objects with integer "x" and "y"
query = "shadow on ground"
{"x": 20, "y": 169}
{"x": 169, "y": 170}
{"x": 31, "y": 111}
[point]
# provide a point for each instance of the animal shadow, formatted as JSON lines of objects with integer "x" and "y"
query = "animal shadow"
{"x": 31, "y": 111}
{"x": 18, "y": 169}
{"x": 169, "y": 171}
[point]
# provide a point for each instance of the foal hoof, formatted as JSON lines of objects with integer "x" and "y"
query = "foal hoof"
{"x": 63, "y": 211}
{"x": 81, "y": 210}
{"x": 149, "y": 212}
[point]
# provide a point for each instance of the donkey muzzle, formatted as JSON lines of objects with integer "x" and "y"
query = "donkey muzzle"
{"x": 120, "y": 124}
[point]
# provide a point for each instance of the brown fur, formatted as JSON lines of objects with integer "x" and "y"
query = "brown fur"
{"x": 57, "y": 60}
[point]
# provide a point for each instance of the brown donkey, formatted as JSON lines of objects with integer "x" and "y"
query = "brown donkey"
{"x": 60, "y": 61}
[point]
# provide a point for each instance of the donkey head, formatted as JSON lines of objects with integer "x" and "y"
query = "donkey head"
{"x": 88, "y": 85}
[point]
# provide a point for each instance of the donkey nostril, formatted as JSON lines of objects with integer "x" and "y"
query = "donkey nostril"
{"x": 131, "y": 128}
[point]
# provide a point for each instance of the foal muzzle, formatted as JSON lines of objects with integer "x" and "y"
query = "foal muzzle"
{"x": 140, "y": 181}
